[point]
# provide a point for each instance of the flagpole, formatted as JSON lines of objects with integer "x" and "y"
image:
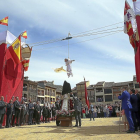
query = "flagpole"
{"x": 68, "y": 45}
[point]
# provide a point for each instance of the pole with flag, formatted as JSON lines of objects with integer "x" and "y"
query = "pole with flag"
{"x": 137, "y": 55}
{"x": 4, "y": 21}
{"x": 86, "y": 95}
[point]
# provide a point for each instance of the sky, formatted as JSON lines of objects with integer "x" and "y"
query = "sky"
{"x": 109, "y": 58}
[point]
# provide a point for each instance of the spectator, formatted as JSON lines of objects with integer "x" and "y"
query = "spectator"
{"x": 83, "y": 111}
{"x": 105, "y": 111}
{"x": 95, "y": 112}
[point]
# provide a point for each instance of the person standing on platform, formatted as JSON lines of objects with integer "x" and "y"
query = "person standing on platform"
{"x": 9, "y": 113}
{"x": 126, "y": 105}
{"x": 17, "y": 108}
{"x": 77, "y": 108}
{"x": 2, "y": 110}
{"x": 31, "y": 111}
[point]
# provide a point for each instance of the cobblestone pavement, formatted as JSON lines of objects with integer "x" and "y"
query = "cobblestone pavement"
{"x": 100, "y": 129}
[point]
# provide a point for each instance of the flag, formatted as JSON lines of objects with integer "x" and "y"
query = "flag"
{"x": 60, "y": 70}
{"x": 133, "y": 41}
{"x": 137, "y": 64}
{"x": 15, "y": 50}
{"x": 137, "y": 55}
{"x": 25, "y": 64}
{"x": 128, "y": 16}
{"x": 4, "y": 21}
{"x": 137, "y": 13}
{"x": 86, "y": 95}
{"x": 24, "y": 35}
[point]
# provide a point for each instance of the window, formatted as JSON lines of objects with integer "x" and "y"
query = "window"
{"x": 108, "y": 98}
{"x": 115, "y": 97}
{"x": 99, "y": 90}
{"x": 136, "y": 85}
{"x": 107, "y": 91}
{"x": 24, "y": 87}
{"x": 117, "y": 89}
{"x": 99, "y": 99}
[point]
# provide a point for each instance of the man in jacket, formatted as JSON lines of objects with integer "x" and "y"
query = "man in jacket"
{"x": 91, "y": 112}
{"x": 138, "y": 113}
{"x": 126, "y": 105}
{"x": 77, "y": 108}
{"x": 23, "y": 113}
{"x": 2, "y": 110}
{"x": 45, "y": 113}
{"x": 9, "y": 113}
{"x": 17, "y": 112}
{"x": 37, "y": 112}
{"x": 31, "y": 111}
{"x": 134, "y": 102}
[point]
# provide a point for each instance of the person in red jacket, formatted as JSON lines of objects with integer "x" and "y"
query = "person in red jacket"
{"x": 83, "y": 111}
{"x": 110, "y": 110}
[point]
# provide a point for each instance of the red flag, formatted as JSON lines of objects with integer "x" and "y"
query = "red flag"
{"x": 25, "y": 64}
{"x": 86, "y": 95}
{"x": 4, "y": 21}
{"x": 137, "y": 64}
{"x": 137, "y": 55}
{"x": 128, "y": 16}
{"x": 24, "y": 35}
{"x": 15, "y": 50}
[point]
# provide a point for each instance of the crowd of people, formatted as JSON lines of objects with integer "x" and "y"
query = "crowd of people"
{"x": 101, "y": 111}
{"x": 21, "y": 113}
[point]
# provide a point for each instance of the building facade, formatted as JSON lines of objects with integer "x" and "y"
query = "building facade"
{"x": 41, "y": 94}
{"x": 50, "y": 90}
{"x": 80, "y": 87}
{"x": 29, "y": 90}
{"x": 104, "y": 92}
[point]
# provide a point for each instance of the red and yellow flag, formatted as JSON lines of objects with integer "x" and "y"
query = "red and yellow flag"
{"x": 4, "y": 21}
{"x": 15, "y": 50}
{"x": 24, "y": 35}
{"x": 25, "y": 64}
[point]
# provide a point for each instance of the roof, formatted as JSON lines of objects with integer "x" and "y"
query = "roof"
{"x": 100, "y": 83}
{"x": 82, "y": 83}
{"x": 42, "y": 84}
{"x": 108, "y": 84}
{"x": 40, "y": 87}
{"x": 58, "y": 88}
{"x": 122, "y": 84}
{"x": 90, "y": 87}
{"x": 29, "y": 81}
